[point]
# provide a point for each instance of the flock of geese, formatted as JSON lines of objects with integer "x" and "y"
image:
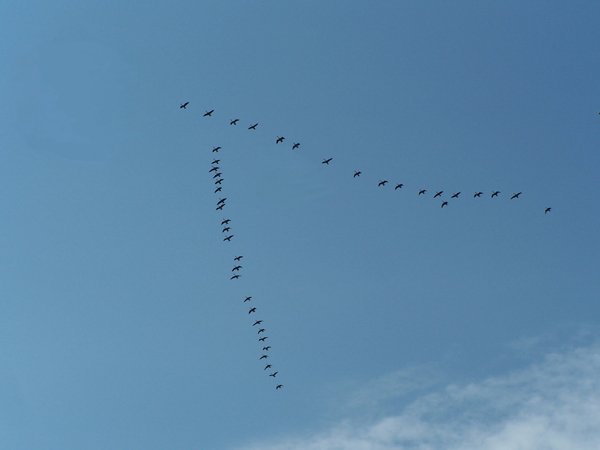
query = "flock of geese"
{"x": 217, "y": 176}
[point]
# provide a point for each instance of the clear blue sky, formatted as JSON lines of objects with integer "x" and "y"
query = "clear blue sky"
{"x": 119, "y": 326}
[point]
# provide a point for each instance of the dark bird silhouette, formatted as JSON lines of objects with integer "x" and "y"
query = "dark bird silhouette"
{"x": 274, "y": 374}
{"x": 226, "y": 229}
{"x": 237, "y": 258}
{"x": 216, "y": 149}
{"x": 225, "y": 221}
{"x": 438, "y": 194}
{"x": 247, "y": 299}
{"x": 268, "y": 366}
{"x": 220, "y": 207}
{"x": 296, "y": 145}
{"x": 495, "y": 194}
{"x": 262, "y": 330}
{"x": 264, "y": 357}
{"x": 444, "y": 204}
{"x": 236, "y": 268}
{"x": 267, "y": 348}
{"x": 214, "y": 169}
{"x": 217, "y": 175}
{"x": 258, "y": 322}
{"x": 357, "y": 173}
{"x": 547, "y": 210}
{"x": 477, "y": 194}
{"x": 455, "y": 195}
{"x": 279, "y": 139}
{"x": 219, "y": 189}
{"x": 516, "y": 195}
{"x": 326, "y": 161}
{"x": 228, "y": 238}
{"x": 219, "y": 181}
{"x": 382, "y": 183}
{"x": 264, "y": 338}
{"x": 252, "y": 310}
{"x": 422, "y": 191}
{"x": 279, "y": 386}
{"x": 253, "y": 127}
{"x": 222, "y": 200}
{"x": 216, "y": 161}
{"x": 234, "y": 277}
{"x": 234, "y": 122}
{"x": 399, "y": 186}
{"x": 208, "y": 113}
{"x": 184, "y": 105}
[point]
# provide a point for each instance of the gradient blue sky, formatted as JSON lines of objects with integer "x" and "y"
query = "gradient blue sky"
{"x": 119, "y": 327}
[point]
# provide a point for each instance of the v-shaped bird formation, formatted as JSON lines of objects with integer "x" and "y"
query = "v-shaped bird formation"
{"x": 217, "y": 177}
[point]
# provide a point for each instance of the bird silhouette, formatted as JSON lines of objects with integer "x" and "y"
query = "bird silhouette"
{"x": 267, "y": 348}
{"x": 382, "y": 183}
{"x": 247, "y": 299}
{"x": 220, "y": 207}
{"x": 296, "y": 145}
{"x": 477, "y": 194}
{"x": 279, "y": 139}
{"x": 237, "y": 258}
{"x": 226, "y": 229}
{"x": 235, "y": 277}
{"x": 253, "y": 127}
{"x": 357, "y": 173}
{"x": 228, "y": 238}
{"x": 455, "y": 195}
{"x": 225, "y": 221}
{"x": 184, "y": 105}
{"x": 268, "y": 366}
{"x": 422, "y": 191}
{"x": 214, "y": 169}
{"x": 219, "y": 189}
{"x": 274, "y": 374}
{"x": 279, "y": 386}
{"x": 217, "y": 175}
{"x": 264, "y": 357}
{"x": 258, "y": 322}
{"x": 252, "y": 310}
{"x": 547, "y": 210}
{"x": 326, "y": 161}
{"x": 444, "y": 204}
{"x": 495, "y": 194}
{"x": 262, "y": 330}
{"x": 234, "y": 122}
{"x": 208, "y": 113}
{"x": 399, "y": 186}
{"x": 216, "y": 161}
{"x": 236, "y": 268}
{"x": 264, "y": 338}
{"x": 219, "y": 181}
{"x": 216, "y": 149}
{"x": 438, "y": 194}
{"x": 222, "y": 200}
{"x": 516, "y": 195}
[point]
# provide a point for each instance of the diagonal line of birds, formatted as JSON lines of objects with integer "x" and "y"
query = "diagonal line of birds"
{"x": 217, "y": 175}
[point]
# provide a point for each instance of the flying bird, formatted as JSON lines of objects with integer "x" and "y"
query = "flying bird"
{"x": 236, "y": 268}
{"x": 219, "y": 189}
{"x": 357, "y": 173}
{"x": 274, "y": 374}
{"x": 214, "y": 169}
{"x": 267, "y": 348}
{"x": 216, "y": 149}
{"x": 279, "y": 386}
{"x": 258, "y": 322}
{"x": 422, "y": 191}
{"x": 228, "y": 238}
{"x": 216, "y": 161}
{"x": 477, "y": 194}
{"x": 264, "y": 357}
{"x": 495, "y": 194}
{"x": 237, "y": 258}
{"x": 247, "y": 299}
{"x": 235, "y": 277}
{"x": 253, "y": 127}
{"x": 382, "y": 183}
{"x": 268, "y": 366}
{"x": 444, "y": 204}
{"x": 220, "y": 207}
{"x": 225, "y": 221}
{"x": 208, "y": 113}
{"x": 399, "y": 186}
{"x": 222, "y": 200}
{"x": 219, "y": 181}
{"x": 252, "y": 310}
{"x": 547, "y": 210}
{"x": 234, "y": 122}
{"x": 264, "y": 338}
{"x": 184, "y": 105}
{"x": 279, "y": 139}
{"x": 455, "y": 195}
{"x": 217, "y": 175}
{"x": 438, "y": 194}
{"x": 226, "y": 229}
{"x": 262, "y": 330}
{"x": 296, "y": 145}
{"x": 516, "y": 195}
{"x": 326, "y": 161}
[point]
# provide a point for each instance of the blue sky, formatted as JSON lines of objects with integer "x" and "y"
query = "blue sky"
{"x": 388, "y": 316}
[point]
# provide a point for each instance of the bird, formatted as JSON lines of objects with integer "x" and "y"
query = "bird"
{"x": 216, "y": 149}
{"x": 438, "y": 194}
{"x": 382, "y": 183}
{"x": 264, "y": 357}
{"x": 252, "y": 310}
{"x": 444, "y": 204}
{"x": 236, "y": 268}
{"x": 258, "y": 322}
{"x": 219, "y": 189}
{"x": 184, "y": 105}
{"x": 279, "y": 386}
{"x": 274, "y": 374}
{"x": 279, "y": 139}
{"x": 217, "y": 175}
{"x": 516, "y": 195}
{"x": 357, "y": 173}
{"x": 267, "y": 348}
{"x": 219, "y": 181}
{"x": 208, "y": 113}
{"x": 399, "y": 186}
{"x": 264, "y": 338}
{"x": 477, "y": 194}
{"x": 216, "y": 161}
{"x": 247, "y": 299}
{"x": 220, "y": 207}
{"x": 455, "y": 195}
{"x": 422, "y": 191}
{"x": 228, "y": 238}
{"x": 253, "y": 127}
{"x": 226, "y": 229}
{"x": 235, "y": 277}
{"x": 268, "y": 366}
{"x": 262, "y": 330}
{"x": 495, "y": 194}
{"x": 547, "y": 210}
{"x": 296, "y": 145}
{"x": 326, "y": 161}
{"x": 221, "y": 201}
{"x": 225, "y": 221}
{"x": 237, "y": 258}
{"x": 214, "y": 169}
{"x": 234, "y": 122}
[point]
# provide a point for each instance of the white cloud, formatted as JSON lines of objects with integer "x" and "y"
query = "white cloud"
{"x": 552, "y": 405}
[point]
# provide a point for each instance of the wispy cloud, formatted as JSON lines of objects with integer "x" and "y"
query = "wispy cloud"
{"x": 551, "y": 405}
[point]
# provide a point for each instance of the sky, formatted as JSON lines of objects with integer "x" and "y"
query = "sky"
{"x": 394, "y": 324}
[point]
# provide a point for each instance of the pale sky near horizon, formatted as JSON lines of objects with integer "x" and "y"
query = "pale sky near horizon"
{"x": 388, "y": 316}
